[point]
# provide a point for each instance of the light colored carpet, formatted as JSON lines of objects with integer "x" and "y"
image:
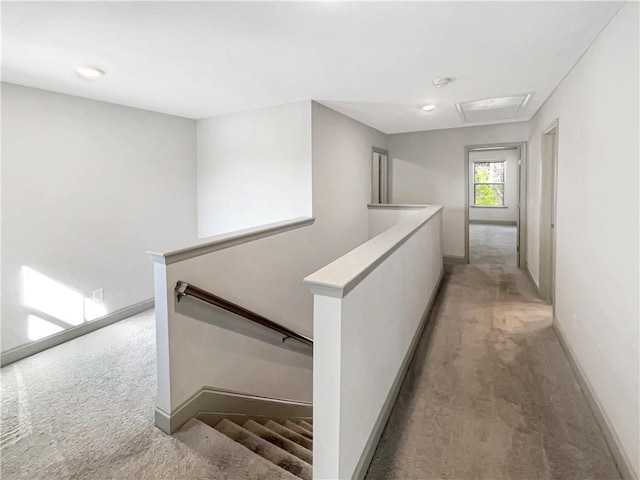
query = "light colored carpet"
{"x": 84, "y": 410}
{"x": 492, "y": 244}
{"x": 490, "y": 396}
{"x": 490, "y": 393}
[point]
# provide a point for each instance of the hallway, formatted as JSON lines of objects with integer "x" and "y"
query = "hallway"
{"x": 490, "y": 393}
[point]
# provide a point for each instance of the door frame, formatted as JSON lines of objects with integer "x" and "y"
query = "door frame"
{"x": 548, "y": 211}
{"x": 522, "y": 195}
{"x": 384, "y": 172}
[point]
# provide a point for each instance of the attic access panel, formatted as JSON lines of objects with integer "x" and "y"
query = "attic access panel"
{"x": 492, "y": 109}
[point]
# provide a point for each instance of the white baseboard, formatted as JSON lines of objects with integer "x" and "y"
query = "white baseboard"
{"x": 494, "y": 222}
{"x": 372, "y": 443}
{"x": 622, "y": 461}
{"x": 23, "y": 351}
{"x": 454, "y": 260}
{"x": 533, "y": 282}
{"x": 211, "y": 405}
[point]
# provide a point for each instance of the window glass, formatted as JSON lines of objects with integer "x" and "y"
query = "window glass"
{"x": 488, "y": 183}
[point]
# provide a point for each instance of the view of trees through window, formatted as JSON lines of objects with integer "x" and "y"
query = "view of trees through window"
{"x": 488, "y": 183}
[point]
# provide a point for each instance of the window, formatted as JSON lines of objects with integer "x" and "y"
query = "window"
{"x": 488, "y": 183}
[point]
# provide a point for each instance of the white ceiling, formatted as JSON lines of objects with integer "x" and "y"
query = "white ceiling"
{"x": 372, "y": 61}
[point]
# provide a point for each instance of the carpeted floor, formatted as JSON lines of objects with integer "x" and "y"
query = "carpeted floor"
{"x": 492, "y": 244}
{"x": 490, "y": 393}
{"x": 84, "y": 410}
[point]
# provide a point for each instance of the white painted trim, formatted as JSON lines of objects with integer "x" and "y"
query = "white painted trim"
{"x": 23, "y": 351}
{"x": 548, "y": 210}
{"x": 454, "y": 260}
{"x": 218, "y": 403}
{"x": 395, "y": 206}
{"x": 488, "y": 206}
{"x": 226, "y": 240}
{"x": 380, "y": 177}
{"x": 372, "y": 443}
{"x": 342, "y": 275}
{"x": 493, "y": 222}
{"x": 533, "y": 281}
{"x": 613, "y": 442}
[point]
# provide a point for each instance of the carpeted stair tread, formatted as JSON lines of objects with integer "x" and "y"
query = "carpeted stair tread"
{"x": 279, "y": 441}
{"x": 290, "y": 434}
{"x": 298, "y": 429}
{"x": 229, "y": 460}
{"x": 306, "y": 425}
{"x": 274, "y": 454}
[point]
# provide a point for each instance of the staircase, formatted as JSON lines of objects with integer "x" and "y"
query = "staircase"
{"x": 254, "y": 450}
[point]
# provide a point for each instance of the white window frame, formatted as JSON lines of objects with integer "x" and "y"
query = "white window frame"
{"x": 474, "y": 183}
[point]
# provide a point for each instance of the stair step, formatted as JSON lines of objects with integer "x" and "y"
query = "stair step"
{"x": 228, "y": 459}
{"x": 290, "y": 434}
{"x": 278, "y": 440}
{"x": 298, "y": 429}
{"x": 305, "y": 424}
{"x": 257, "y": 445}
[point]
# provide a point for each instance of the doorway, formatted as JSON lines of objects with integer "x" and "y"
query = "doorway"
{"x": 379, "y": 176}
{"x": 495, "y": 204}
{"x": 548, "y": 182}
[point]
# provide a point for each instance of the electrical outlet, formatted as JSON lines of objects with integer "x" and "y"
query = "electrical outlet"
{"x": 98, "y": 295}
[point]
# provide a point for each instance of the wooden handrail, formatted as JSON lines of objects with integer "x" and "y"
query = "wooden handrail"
{"x": 184, "y": 289}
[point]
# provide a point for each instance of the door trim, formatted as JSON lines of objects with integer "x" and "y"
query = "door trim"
{"x": 522, "y": 195}
{"x": 381, "y": 183}
{"x": 548, "y": 209}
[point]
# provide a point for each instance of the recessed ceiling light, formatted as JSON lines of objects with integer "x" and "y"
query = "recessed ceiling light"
{"x": 440, "y": 82}
{"x": 428, "y": 108}
{"x": 90, "y": 73}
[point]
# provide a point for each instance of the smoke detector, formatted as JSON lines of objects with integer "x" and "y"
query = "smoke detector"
{"x": 440, "y": 82}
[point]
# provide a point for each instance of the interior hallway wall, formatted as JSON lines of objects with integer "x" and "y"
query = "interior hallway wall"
{"x": 429, "y": 168}
{"x": 341, "y": 179}
{"x": 87, "y": 188}
{"x": 254, "y": 168}
{"x": 597, "y": 223}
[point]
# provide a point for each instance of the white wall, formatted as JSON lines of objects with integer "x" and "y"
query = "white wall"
{"x": 510, "y": 211}
{"x": 382, "y": 218}
{"x": 205, "y": 349}
{"x": 356, "y": 376}
{"x": 87, "y": 187}
{"x": 429, "y": 168}
{"x": 265, "y": 276}
{"x": 597, "y": 230}
{"x": 254, "y": 168}
{"x": 341, "y": 179}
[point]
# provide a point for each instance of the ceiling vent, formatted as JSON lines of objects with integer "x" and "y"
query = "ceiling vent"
{"x": 491, "y": 109}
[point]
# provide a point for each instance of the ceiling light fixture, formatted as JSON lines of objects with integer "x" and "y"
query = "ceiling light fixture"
{"x": 440, "y": 82}
{"x": 90, "y": 73}
{"x": 428, "y": 108}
